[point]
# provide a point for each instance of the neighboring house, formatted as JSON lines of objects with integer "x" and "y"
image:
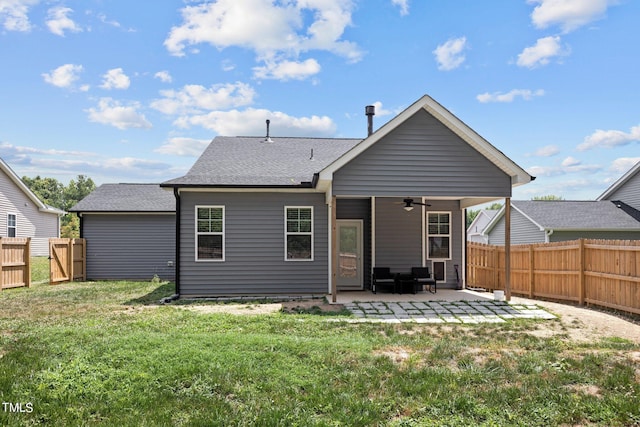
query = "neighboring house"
{"x": 626, "y": 189}
{"x": 477, "y": 226}
{"x": 544, "y": 221}
{"x": 130, "y": 231}
{"x": 22, "y": 214}
{"x": 287, "y": 216}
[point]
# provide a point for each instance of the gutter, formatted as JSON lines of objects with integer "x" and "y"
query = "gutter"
{"x": 304, "y": 184}
{"x": 176, "y": 193}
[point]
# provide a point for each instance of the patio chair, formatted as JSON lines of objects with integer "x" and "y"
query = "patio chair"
{"x": 422, "y": 276}
{"x": 382, "y": 277}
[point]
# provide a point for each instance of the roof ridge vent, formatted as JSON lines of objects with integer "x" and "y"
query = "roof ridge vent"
{"x": 268, "y": 138}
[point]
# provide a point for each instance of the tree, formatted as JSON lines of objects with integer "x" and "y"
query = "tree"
{"x": 77, "y": 190}
{"x": 49, "y": 190}
{"x": 549, "y": 197}
{"x": 54, "y": 193}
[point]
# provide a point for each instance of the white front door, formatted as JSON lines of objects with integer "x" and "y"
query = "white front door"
{"x": 349, "y": 254}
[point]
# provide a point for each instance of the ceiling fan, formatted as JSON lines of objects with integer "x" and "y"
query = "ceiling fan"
{"x": 409, "y": 204}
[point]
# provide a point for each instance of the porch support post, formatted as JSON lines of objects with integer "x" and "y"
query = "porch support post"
{"x": 507, "y": 248}
{"x": 334, "y": 255}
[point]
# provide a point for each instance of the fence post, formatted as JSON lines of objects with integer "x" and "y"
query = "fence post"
{"x": 27, "y": 262}
{"x": 494, "y": 261}
{"x": 531, "y": 272}
{"x": 70, "y": 258}
{"x": 581, "y": 277}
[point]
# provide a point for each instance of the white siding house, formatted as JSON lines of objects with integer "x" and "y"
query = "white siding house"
{"x": 22, "y": 214}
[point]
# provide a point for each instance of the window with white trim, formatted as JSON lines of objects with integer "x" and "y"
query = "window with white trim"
{"x": 12, "y": 225}
{"x": 298, "y": 229}
{"x": 210, "y": 233}
{"x": 439, "y": 235}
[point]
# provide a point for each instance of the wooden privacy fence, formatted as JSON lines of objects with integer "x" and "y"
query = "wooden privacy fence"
{"x": 599, "y": 272}
{"x": 15, "y": 268}
{"x": 67, "y": 260}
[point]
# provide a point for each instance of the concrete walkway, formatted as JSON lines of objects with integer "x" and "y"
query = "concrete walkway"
{"x": 447, "y": 306}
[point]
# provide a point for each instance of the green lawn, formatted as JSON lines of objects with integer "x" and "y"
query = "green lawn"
{"x": 39, "y": 269}
{"x": 104, "y": 354}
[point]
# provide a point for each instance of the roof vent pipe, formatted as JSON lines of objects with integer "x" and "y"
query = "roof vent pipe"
{"x": 370, "y": 111}
{"x": 268, "y": 138}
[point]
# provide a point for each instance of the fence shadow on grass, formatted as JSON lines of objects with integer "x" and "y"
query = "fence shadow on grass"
{"x": 164, "y": 290}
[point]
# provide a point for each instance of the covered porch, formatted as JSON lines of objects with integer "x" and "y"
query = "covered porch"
{"x": 400, "y": 234}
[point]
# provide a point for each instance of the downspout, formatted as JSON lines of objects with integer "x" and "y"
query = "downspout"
{"x": 547, "y": 233}
{"x": 176, "y": 193}
{"x": 81, "y": 225}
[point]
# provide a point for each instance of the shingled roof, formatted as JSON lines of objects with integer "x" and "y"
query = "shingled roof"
{"x": 127, "y": 198}
{"x": 253, "y": 162}
{"x": 577, "y": 215}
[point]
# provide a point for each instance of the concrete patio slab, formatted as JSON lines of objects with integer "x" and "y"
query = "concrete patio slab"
{"x": 447, "y": 306}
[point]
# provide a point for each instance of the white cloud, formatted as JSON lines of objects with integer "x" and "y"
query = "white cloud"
{"x": 568, "y": 14}
{"x": 183, "y": 147}
{"x": 403, "y": 5}
{"x": 196, "y": 98}
{"x": 115, "y": 79}
{"x": 111, "y": 112}
{"x": 228, "y": 65}
{"x": 381, "y": 111}
{"x": 252, "y": 122}
{"x": 287, "y": 70}
{"x": 570, "y": 162}
{"x": 450, "y": 55}
{"x": 14, "y": 14}
{"x": 268, "y": 29}
{"x": 510, "y": 96}
{"x": 624, "y": 164}
{"x": 541, "y": 53}
{"x": 569, "y": 165}
{"x": 164, "y": 76}
{"x": 546, "y": 151}
{"x": 64, "y": 76}
{"x": 58, "y": 21}
{"x": 610, "y": 138}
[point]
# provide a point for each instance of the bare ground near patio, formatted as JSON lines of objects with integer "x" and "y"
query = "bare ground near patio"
{"x": 586, "y": 324}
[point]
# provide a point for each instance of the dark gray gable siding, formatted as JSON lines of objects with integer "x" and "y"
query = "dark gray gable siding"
{"x": 398, "y": 238}
{"x": 254, "y": 253}
{"x": 131, "y": 246}
{"x": 421, "y": 156}
{"x": 523, "y": 231}
{"x": 629, "y": 192}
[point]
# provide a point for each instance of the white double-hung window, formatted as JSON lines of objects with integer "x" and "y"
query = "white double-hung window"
{"x": 209, "y": 233}
{"x": 439, "y": 235}
{"x": 298, "y": 229}
{"x": 12, "y": 225}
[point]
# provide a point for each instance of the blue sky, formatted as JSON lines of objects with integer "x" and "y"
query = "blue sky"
{"x": 127, "y": 91}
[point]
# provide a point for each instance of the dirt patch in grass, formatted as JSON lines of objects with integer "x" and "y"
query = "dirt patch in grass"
{"x": 238, "y": 309}
{"x": 311, "y": 306}
{"x": 585, "y": 325}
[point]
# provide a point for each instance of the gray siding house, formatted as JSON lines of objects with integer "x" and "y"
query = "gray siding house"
{"x": 130, "y": 232}
{"x": 275, "y": 215}
{"x": 477, "y": 226}
{"x": 545, "y": 221}
{"x": 23, "y": 214}
{"x": 625, "y": 189}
